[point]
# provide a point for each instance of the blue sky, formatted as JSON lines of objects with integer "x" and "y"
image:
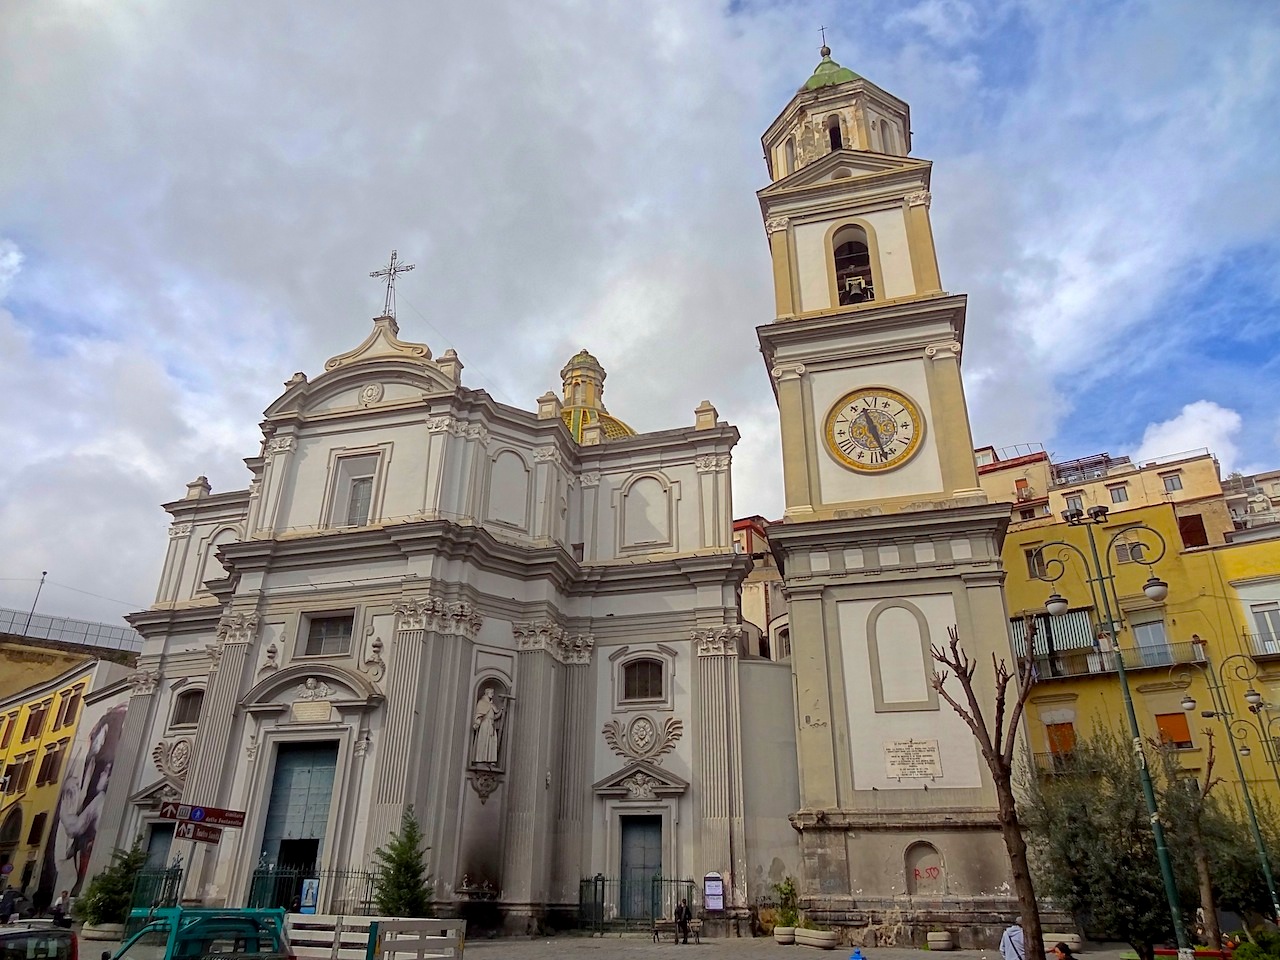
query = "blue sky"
{"x": 192, "y": 196}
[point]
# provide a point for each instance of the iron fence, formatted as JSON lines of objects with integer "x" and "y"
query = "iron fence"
{"x": 156, "y": 888}
{"x": 610, "y": 903}
{"x": 345, "y": 892}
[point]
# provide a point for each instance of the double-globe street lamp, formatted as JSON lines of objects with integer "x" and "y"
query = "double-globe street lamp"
{"x": 1101, "y": 580}
{"x": 1242, "y": 668}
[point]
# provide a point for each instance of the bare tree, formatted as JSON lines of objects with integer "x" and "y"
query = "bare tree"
{"x": 998, "y": 743}
{"x": 1191, "y": 806}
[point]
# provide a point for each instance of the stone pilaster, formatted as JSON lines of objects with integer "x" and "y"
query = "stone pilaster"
{"x": 723, "y": 846}
{"x": 573, "y": 814}
{"x": 207, "y": 772}
{"x": 544, "y": 651}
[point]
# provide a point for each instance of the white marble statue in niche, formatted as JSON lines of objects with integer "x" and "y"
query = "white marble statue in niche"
{"x": 487, "y": 724}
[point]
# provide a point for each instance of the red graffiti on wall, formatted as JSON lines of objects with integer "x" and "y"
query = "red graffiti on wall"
{"x": 930, "y": 873}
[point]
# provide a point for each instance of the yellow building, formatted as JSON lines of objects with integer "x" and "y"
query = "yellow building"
{"x": 38, "y": 729}
{"x": 1041, "y": 489}
{"x": 1220, "y": 621}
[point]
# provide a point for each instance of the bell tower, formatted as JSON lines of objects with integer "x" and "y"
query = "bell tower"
{"x": 887, "y": 539}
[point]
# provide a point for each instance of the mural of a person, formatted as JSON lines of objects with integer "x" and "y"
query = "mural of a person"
{"x": 75, "y": 820}
{"x": 486, "y": 721}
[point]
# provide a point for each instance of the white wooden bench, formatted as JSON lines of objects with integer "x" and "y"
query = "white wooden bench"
{"x": 332, "y": 937}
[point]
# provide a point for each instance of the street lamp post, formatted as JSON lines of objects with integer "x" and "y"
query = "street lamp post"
{"x": 1101, "y": 580}
{"x": 1238, "y": 728}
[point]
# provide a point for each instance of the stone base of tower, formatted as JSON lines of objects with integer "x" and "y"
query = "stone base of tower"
{"x": 889, "y": 878}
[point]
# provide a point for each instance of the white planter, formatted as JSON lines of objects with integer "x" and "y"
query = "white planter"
{"x": 102, "y": 931}
{"x": 940, "y": 940}
{"x": 822, "y": 939}
{"x": 784, "y": 934}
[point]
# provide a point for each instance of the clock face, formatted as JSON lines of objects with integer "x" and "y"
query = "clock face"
{"x": 874, "y": 428}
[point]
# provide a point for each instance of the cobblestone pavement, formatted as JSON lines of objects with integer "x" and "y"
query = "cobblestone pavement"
{"x": 573, "y": 947}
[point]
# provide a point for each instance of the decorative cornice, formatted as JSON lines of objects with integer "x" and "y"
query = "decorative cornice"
{"x": 948, "y": 350}
{"x": 555, "y": 640}
{"x": 776, "y": 224}
{"x": 178, "y": 530}
{"x": 443, "y": 616}
{"x": 921, "y": 199}
{"x": 143, "y": 683}
{"x": 713, "y": 463}
{"x": 719, "y": 641}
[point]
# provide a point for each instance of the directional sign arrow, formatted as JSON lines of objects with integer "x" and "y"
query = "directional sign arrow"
{"x": 190, "y": 830}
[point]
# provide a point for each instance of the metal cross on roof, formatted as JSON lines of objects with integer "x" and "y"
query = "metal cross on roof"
{"x": 824, "y": 35}
{"x": 389, "y": 273}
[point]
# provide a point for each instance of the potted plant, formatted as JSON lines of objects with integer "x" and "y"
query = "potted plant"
{"x": 107, "y": 900}
{"x": 940, "y": 939}
{"x": 784, "y": 931}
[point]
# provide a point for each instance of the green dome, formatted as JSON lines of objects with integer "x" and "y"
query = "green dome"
{"x": 829, "y": 73}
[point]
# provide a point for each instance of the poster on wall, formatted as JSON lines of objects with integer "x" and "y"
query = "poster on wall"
{"x": 74, "y": 828}
{"x": 310, "y": 895}
{"x": 713, "y": 892}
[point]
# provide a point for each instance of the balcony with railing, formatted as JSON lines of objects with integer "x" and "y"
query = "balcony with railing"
{"x": 1263, "y": 646}
{"x": 1079, "y": 663}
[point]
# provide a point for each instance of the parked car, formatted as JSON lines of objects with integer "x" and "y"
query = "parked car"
{"x": 37, "y": 940}
{"x": 189, "y": 933}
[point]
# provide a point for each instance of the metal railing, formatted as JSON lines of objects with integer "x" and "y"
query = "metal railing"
{"x": 1263, "y": 644}
{"x": 156, "y": 888}
{"x": 611, "y": 903}
{"x": 1079, "y": 663}
{"x": 345, "y": 892}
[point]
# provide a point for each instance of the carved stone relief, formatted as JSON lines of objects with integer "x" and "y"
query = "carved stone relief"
{"x": 484, "y": 783}
{"x": 179, "y": 530}
{"x": 270, "y": 659}
{"x": 444, "y": 616}
{"x": 238, "y": 627}
{"x": 373, "y": 664}
{"x": 641, "y": 739}
{"x": 371, "y": 394}
{"x": 554, "y": 639}
{"x": 713, "y": 463}
{"x": 719, "y": 641}
{"x": 173, "y": 758}
{"x": 313, "y": 689}
{"x": 144, "y": 682}
{"x": 640, "y": 786}
{"x": 278, "y": 445}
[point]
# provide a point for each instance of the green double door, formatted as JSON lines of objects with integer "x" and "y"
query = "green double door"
{"x": 641, "y": 865}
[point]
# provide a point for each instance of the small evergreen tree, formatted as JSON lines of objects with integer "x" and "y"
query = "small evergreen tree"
{"x": 401, "y": 887}
{"x": 109, "y": 895}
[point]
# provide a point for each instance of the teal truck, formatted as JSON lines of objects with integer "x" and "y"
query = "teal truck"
{"x": 197, "y": 933}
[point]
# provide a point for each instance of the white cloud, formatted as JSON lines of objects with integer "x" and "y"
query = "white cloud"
{"x": 1199, "y": 424}
{"x": 200, "y": 189}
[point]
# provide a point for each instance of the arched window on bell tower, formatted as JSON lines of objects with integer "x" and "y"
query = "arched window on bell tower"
{"x": 789, "y": 152}
{"x": 853, "y": 266}
{"x": 833, "y": 132}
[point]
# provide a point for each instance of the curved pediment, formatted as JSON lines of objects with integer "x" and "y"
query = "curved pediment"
{"x": 383, "y": 369}
{"x": 311, "y": 681}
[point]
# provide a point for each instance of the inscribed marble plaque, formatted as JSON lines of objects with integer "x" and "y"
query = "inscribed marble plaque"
{"x": 912, "y": 759}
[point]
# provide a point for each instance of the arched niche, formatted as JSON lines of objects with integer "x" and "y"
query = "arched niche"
{"x": 509, "y": 490}
{"x": 925, "y": 874}
{"x": 854, "y": 272}
{"x": 900, "y": 663}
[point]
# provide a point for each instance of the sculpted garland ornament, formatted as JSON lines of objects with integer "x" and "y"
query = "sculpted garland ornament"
{"x": 641, "y": 740}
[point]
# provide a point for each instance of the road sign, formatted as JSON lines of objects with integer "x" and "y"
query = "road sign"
{"x": 213, "y": 816}
{"x": 190, "y": 830}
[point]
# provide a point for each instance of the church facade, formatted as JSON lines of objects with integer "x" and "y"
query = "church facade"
{"x": 526, "y": 626}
